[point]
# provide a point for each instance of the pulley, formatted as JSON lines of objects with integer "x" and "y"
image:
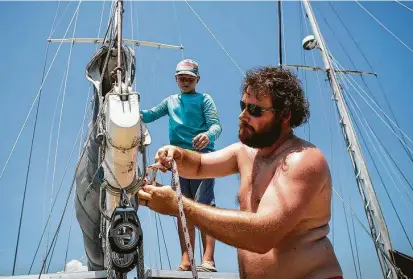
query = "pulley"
{"x": 124, "y": 263}
{"x": 125, "y": 235}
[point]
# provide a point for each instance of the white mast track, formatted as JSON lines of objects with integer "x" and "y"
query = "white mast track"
{"x": 125, "y": 41}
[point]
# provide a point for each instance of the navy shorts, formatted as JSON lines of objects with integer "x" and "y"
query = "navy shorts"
{"x": 200, "y": 190}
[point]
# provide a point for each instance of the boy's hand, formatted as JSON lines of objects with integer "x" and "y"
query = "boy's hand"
{"x": 200, "y": 141}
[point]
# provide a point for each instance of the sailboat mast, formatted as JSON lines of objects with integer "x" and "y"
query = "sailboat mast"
{"x": 119, "y": 37}
{"x": 372, "y": 208}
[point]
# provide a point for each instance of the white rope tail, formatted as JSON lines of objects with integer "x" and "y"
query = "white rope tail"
{"x": 175, "y": 182}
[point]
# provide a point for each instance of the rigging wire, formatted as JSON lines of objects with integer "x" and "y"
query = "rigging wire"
{"x": 70, "y": 190}
{"x": 409, "y": 154}
{"x": 157, "y": 236}
{"x": 380, "y": 249}
{"x": 29, "y": 164}
{"x": 178, "y": 28}
{"x": 382, "y": 25}
{"x": 164, "y": 241}
{"x": 375, "y": 111}
{"x": 404, "y": 5}
{"x": 216, "y": 39}
{"x": 345, "y": 77}
{"x": 352, "y": 103}
{"x": 60, "y": 186}
{"x": 35, "y": 99}
{"x": 355, "y": 243}
{"x": 60, "y": 19}
{"x": 300, "y": 11}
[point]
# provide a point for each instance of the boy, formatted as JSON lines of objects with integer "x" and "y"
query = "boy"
{"x": 193, "y": 124}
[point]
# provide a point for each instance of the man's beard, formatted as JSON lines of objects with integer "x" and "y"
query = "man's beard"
{"x": 261, "y": 139}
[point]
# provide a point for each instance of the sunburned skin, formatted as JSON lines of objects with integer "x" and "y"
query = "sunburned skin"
{"x": 281, "y": 228}
{"x": 305, "y": 252}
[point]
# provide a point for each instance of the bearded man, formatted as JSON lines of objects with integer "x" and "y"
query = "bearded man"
{"x": 280, "y": 230}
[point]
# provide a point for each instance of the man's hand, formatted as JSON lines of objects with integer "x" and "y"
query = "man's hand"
{"x": 160, "y": 199}
{"x": 166, "y": 154}
{"x": 200, "y": 141}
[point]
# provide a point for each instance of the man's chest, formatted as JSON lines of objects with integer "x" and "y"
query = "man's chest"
{"x": 256, "y": 177}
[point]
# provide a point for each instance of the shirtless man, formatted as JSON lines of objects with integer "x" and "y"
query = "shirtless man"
{"x": 285, "y": 186}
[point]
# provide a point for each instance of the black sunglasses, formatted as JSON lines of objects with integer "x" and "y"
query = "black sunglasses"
{"x": 255, "y": 110}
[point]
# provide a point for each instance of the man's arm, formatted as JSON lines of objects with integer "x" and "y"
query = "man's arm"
{"x": 286, "y": 199}
{"x": 211, "y": 118}
{"x": 156, "y": 112}
{"x": 192, "y": 164}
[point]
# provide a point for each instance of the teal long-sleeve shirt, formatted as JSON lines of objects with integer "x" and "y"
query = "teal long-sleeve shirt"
{"x": 189, "y": 115}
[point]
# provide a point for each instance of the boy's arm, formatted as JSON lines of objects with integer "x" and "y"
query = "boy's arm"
{"x": 156, "y": 112}
{"x": 211, "y": 118}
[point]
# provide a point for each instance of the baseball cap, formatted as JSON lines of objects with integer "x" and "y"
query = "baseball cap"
{"x": 187, "y": 67}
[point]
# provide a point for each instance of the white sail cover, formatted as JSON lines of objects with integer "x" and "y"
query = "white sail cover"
{"x": 124, "y": 135}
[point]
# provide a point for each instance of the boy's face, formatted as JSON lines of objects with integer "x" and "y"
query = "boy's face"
{"x": 186, "y": 83}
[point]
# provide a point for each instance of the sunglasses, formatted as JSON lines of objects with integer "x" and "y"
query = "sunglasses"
{"x": 186, "y": 79}
{"x": 254, "y": 110}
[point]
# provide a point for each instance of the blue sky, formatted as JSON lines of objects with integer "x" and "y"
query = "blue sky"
{"x": 248, "y": 31}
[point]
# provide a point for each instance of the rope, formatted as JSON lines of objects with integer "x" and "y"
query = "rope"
{"x": 212, "y": 34}
{"x": 175, "y": 183}
{"x": 35, "y": 99}
{"x": 382, "y": 25}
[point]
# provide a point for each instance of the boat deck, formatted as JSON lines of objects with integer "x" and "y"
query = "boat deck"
{"x": 149, "y": 274}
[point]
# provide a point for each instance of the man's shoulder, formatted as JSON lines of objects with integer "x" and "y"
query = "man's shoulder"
{"x": 305, "y": 159}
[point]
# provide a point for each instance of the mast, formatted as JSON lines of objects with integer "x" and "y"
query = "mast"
{"x": 280, "y": 33}
{"x": 119, "y": 13}
{"x": 372, "y": 208}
